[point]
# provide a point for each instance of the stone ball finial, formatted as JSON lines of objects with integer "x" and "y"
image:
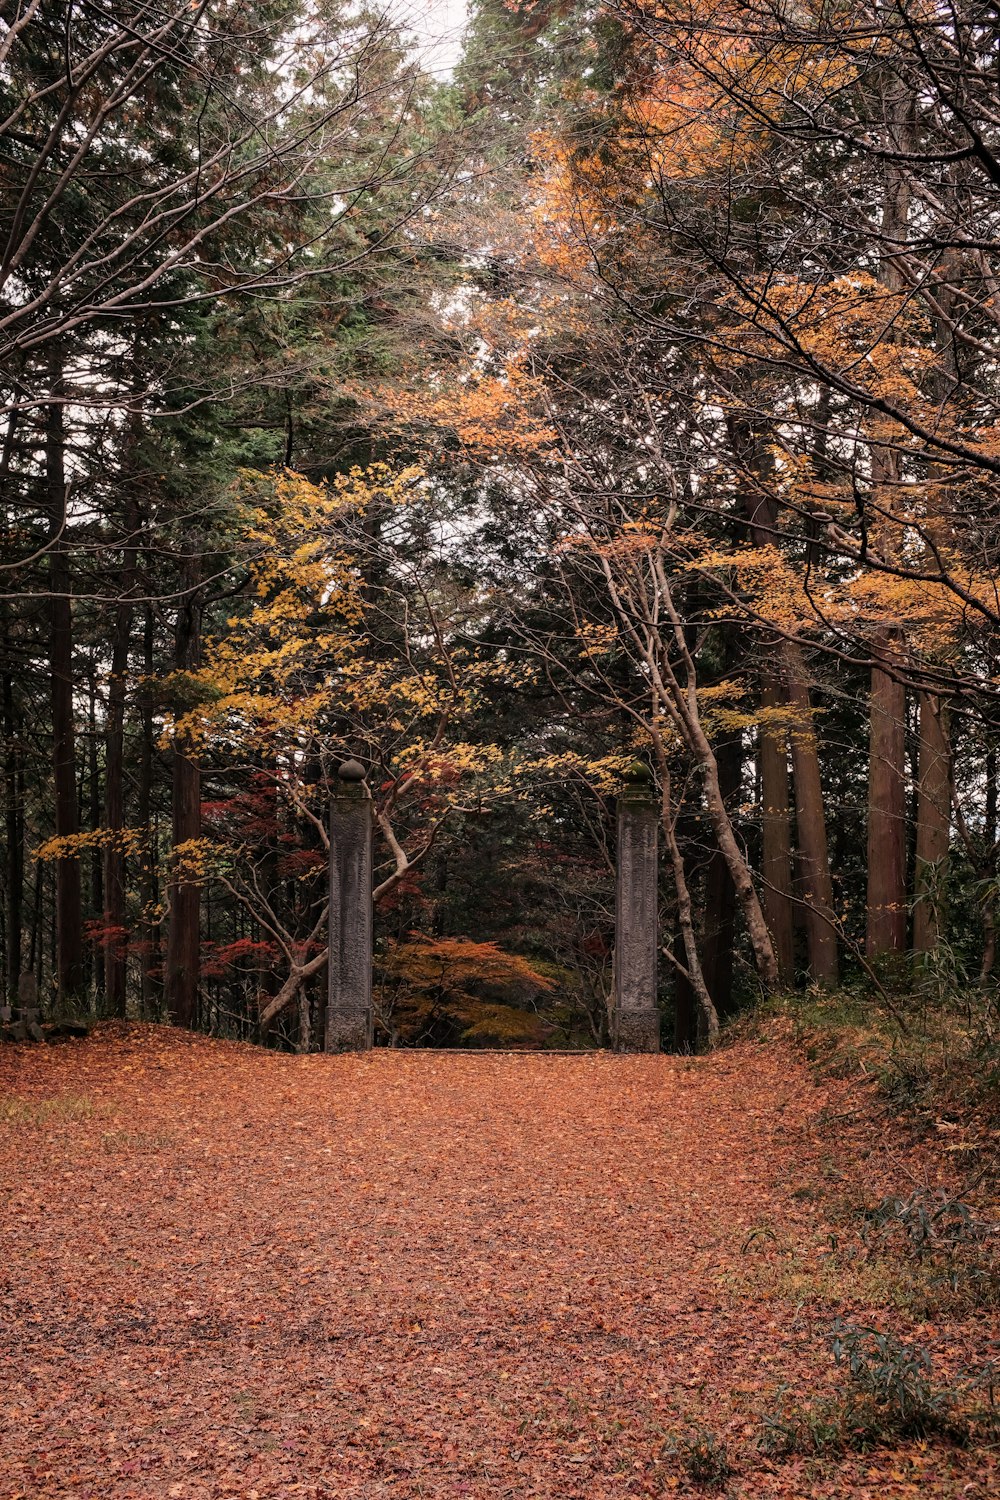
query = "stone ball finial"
{"x": 637, "y": 785}
{"x": 638, "y": 773}
{"x": 351, "y": 770}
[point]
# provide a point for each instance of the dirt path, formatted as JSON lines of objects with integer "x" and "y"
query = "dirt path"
{"x": 225, "y": 1272}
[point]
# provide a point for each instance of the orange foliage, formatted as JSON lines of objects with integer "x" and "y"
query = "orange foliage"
{"x": 486, "y": 413}
{"x": 449, "y": 980}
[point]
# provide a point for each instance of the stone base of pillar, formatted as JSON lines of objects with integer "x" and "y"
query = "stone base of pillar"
{"x": 348, "y": 1030}
{"x": 637, "y": 1031}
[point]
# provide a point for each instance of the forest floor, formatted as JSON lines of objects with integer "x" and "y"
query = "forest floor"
{"x": 230, "y": 1272}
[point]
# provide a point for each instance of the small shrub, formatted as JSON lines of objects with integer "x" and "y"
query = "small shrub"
{"x": 703, "y": 1457}
{"x": 895, "y": 1377}
{"x": 930, "y": 1223}
{"x": 939, "y": 1233}
{"x": 823, "y": 1428}
{"x": 891, "y": 1395}
{"x": 980, "y": 1389}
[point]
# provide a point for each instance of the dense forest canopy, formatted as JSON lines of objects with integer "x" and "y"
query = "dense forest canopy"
{"x": 630, "y": 394}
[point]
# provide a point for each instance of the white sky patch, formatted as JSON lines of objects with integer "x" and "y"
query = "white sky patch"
{"x": 437, "y": 28}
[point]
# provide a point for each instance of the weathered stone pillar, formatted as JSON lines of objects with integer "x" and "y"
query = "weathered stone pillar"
{"x": 22, "y": 1024}
{"x": 349, "y": 1000}
{"x": 636, "y": 1017}
{"x": 27, "y": 999}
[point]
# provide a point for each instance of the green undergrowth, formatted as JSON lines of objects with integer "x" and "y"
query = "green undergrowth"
{"x": 839, "y": 1278}
{"x": 921, "y": 1070}
{"x": 62, "y": 1109}
{"x": 882, "y": 1393}
{"x": 931, "y": 1058}
{"x": 888, "y": 1390}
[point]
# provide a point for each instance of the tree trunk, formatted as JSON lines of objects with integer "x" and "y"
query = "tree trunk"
{"x": 810, "y": 823}
{"x": 68, "y": 899}
{"x": 720, "y": 893}
{"x": 685, "y": 1004}
{"x": 746, "y": 895}
{"x": 706, "y": 1016}
{"x": 14, "y": 830}
{"x": 696, "y": 1020}
{"x": 886, "y": 898}
{"x": 886, "y": 901}
{"x": 933, "y": 822}
{"x": 680, "y": 701}
{"x": 96, "y": 948}
{"x": 776, "y": 835}
{"x": 290, "y": 989}
{"x": 36, "y": 957}
{"x": 751, "y": 453}
{"x": 183, "y": 932}
{"x": 149, "y": 888}
{"x": 116, "y": 935}
{"x": 13, "y": 762}
{"x": 305, "y": 1015}
{"x": 988, "y": 870}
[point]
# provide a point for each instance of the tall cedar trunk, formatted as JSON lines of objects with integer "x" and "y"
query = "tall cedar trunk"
{"x": 116, "y": 938}
{"x": 886, "y": 904}
{"x": 810, "y": 824}
{"x": 720, "y": 894}
{"x": 933, "y": 821}
{"x": 116, "y": 935}
{"x": 13, "y": 764}
{"x": 14, "y": 831}
{"x": 762, "y": 513}
{"x": 750, "y": 448}
{"x": 183, "y": 933}
{"x": 69, "y": 968}
{"x": 776, "y": 837}
{"x": 149, "y": 889}
{"x": 52, "y": 935}
{"x": 934, "y": 765}
{"x": 988, "y": 869}
{"x": 886, "y": 897}
{"x": 96, "y": 949}
{"x": 36, "y": 960}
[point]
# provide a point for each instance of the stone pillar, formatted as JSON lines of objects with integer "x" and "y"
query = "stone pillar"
{"x": 636, "y": 1017}
{"x": 349, "y": 1016}
{"x": 22, "y": 1024}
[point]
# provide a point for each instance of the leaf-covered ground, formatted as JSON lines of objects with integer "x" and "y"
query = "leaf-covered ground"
{"x": 226, "y": 1272}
